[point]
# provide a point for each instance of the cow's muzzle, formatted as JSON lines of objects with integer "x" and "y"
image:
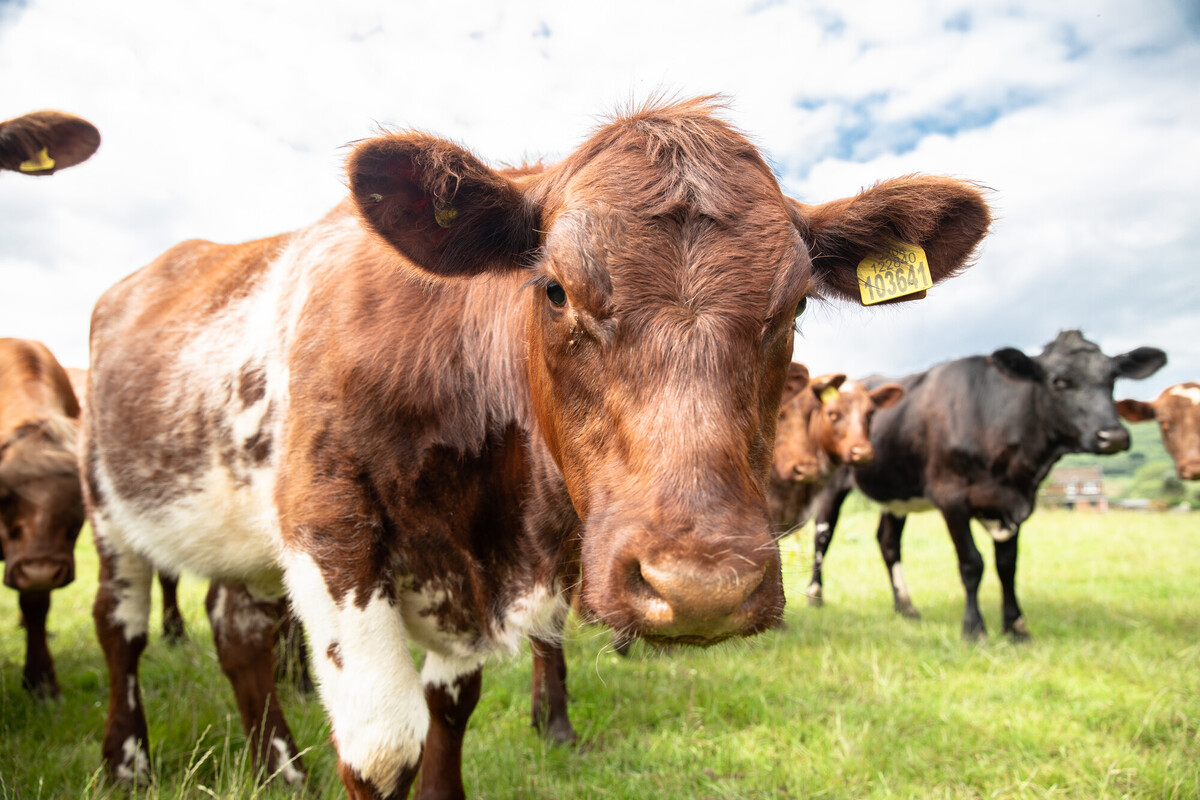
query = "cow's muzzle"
{"x": 40, "y": 574}
{"x": 1112, "y": 440}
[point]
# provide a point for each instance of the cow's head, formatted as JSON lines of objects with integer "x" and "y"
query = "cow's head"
{"x": 796, "y": 456}
{"x": 1177, "y": 410}
{"x": 43, "y": 142}
{"x": 842, "y": 429}
{"x": 666, "y": 271}
{"x": 41, "y": 506}
{"x": 1077, "y": 379}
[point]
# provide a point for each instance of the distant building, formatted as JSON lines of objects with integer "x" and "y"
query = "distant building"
{"x": 1075, "y": 487}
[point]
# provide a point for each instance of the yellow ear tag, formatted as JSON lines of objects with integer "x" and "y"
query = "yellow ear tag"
{"x": 828, "y": 393}
{"x": 898, "y": 270}
{"x": 39, "y": 163}
{"x": 444, "y": 215}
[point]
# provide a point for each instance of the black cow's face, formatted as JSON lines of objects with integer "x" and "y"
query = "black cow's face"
{"x": 1079, "y": 380}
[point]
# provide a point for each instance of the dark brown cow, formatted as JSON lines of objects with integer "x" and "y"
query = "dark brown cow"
{"x": 425, "y": 411}
{"x": 1177, "y": 410}
{"x": 41, "y": 507}
{"x": 43, "y": 142}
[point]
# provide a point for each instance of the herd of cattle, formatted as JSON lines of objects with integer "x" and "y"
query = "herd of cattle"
{"x": 466, "y": 396}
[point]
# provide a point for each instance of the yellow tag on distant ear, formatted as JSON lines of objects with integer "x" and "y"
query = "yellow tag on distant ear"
{"x": 445, "y": 215}
{"x": 899, "y": 270}
{"x": 39, "y": 163}
{"x": 828, "y": 393}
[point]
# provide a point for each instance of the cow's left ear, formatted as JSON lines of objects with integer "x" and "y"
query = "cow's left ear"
{"x": 43, "y": 142}
{"x": 887, "y": 395}
{"x": 1140, "y": 363}
{"x": 1015, "y": 364}
{"x": 825, "y": 386}
{"x": 440, "y": 206}
{"x": 1135, "y": 410}
{"x": 945, "y": 217}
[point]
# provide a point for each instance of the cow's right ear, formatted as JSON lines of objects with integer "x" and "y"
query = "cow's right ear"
{"x": 797, "y": 379}
{"x": 822, "y": 384}
{"x": 887, "y": 395}
{"x": 43, "y": 142}
{"x": 1135, "y": 410}
{"x": 947, "y": 218}
{"x": 1015, "y": 364}
{"x": 440, "y": 206}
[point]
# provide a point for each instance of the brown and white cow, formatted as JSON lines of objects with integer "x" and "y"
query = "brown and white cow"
{"x": 423, "y": 411}
{"x": 41, "y": 506}
{"x": 1177, "y": 410}
{"x": 43, "y": 142}
{"x": 824, "y": 422}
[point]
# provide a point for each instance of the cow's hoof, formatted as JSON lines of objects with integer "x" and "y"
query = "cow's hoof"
{"x": 561, "y": 733}
{"x": 974, "y": 633}
{"x": 174, "y": 632}
{"x": 907, "y": 610}
{"x": 41, "y": 687}
{"x": 815, "y": 599}
{"x": 1018, "y": 632}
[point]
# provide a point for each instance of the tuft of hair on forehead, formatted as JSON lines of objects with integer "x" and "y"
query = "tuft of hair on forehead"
{"x": 697, "y": 158}
{"x": 1070, "y": 341}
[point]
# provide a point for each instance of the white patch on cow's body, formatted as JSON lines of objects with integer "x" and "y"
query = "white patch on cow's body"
{"x": 902, "y": 508}
{"x": 135, "y": 764}
{"x": 442, "y": 672}
{"x": 287, "y": 762}
{"x": 898, "y": 584}
{"x": 998, "y": 530}
{"x": 1189, "y": 393}
{"x": 376, "y": 701}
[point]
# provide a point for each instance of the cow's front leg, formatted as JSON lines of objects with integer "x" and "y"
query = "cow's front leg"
{"x": 366, "y": 680}
{"x": 38, "y": 678}
{"x": 891, "y": 529}
{"x": 452, "y": 689}
{"x": 1006, "y": 568}
{"x": 829, "y": 510}
{"x": 549, "y": 696}
{"x": 122, "y": 615}
{"x": 970, "y": 568}
{"x": 244, "y": 631}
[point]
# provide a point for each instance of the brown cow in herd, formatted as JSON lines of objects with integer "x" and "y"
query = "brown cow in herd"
{"x": 41, "y": 508}
{"x": 1177, "y": 410}
{"x": 425, "y": 411}
{"x": 823, "y": 423}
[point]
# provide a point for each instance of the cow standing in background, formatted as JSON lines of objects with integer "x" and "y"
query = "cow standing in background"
{"x": 1177, "y": 410}
{"x": 427, "y": 409}
{"x": 974, "y": 438}
{"x": 41, "y": 506}
{"x": 43, "y": 142}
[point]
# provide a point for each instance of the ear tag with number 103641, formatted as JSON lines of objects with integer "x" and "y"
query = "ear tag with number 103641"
{"x": 897, "y": 270}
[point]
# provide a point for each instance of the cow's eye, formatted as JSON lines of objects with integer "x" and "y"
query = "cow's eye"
{"x": 557, "y": 294}
{"x": 1062, "y": 384}
{"x": 803, "y": 304}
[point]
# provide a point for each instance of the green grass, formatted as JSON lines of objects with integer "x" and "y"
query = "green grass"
{"x": 850, "y": 701}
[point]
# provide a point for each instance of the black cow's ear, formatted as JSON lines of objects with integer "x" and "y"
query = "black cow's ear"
{"x": 1140, "y": 363}
{"x": 1015, "y": 364}
{"x": 1135, "y": 410}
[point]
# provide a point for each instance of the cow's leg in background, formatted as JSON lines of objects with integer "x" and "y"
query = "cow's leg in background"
{"x": 122, "y": 616}
{"x": 452, "y": 689}
{"x": 829, "y": 508}
{"x": 370, "y": 689}
{"x": 889, "y": 533}
{"x": 549, "y": 696}
{"x": 1006, "y": 568}
{"x": 172, "y": 621}
{"x": 244, "y": 632}
{"x": 970, "y": 568}
{"x": 38, "y": 678}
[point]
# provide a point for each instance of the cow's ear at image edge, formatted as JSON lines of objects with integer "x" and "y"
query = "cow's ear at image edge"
{"x": 1141, "y": 362}
{"x": 945, "y": 217}
{"x": 1135, "y": 410}
{"x": 440, "y": 206}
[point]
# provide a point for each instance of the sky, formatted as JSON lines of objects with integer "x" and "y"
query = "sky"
{"x": 228, "y": 120}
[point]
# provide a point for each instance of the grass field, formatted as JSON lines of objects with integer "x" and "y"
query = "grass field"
{"x": 850, "y": 701}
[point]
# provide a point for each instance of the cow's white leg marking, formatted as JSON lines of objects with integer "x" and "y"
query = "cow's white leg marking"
{"x": 130, "y": 586}
{"x": 444, "y": 671}
{"x": 287, "y": 762}
{"x": 898, "y": 584}
{"x": 375, "y": 700}
{"x": 136, "y": 764}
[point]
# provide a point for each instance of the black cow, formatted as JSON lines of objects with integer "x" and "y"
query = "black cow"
{"x": 973, "y": 438}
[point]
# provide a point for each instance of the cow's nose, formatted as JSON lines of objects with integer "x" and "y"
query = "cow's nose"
{"x": 684, "y": 597}
{"x": 861, "y": 454}
{"x": 804, "y": 472}
{"x": 1112, "y": 440}
{"x": 1189, "y": 470}
{"x": 41, "y": 574}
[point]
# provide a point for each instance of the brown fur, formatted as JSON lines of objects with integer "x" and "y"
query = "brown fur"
{"x": 67, "y": 139}
{"x": 1179, "y": 422}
